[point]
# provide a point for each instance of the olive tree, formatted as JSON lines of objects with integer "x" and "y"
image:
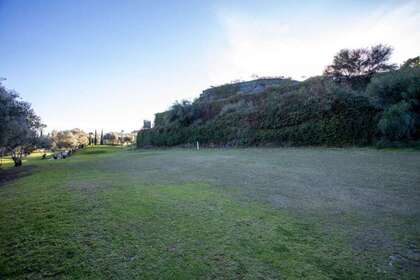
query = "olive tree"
{"x": 19, "y": 125}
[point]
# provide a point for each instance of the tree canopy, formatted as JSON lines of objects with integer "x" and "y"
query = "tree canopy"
{"x": 69, "y": 138}
{"x": 397, "y": 93}
{"x": 352, "y": 63}
{"x": 19, "y": 125}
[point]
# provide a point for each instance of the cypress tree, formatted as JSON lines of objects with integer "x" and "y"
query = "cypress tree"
{"x": 102, "y": 137}
{"x": 95, "y": 141}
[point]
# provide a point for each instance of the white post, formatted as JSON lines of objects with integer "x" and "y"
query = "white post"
{"x": 198, "y": 146}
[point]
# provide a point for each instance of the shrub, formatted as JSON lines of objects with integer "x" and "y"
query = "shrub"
{"x": 397, "y": 93}
{"x": 397, "y": 122}
{"x": 393, "y": 87}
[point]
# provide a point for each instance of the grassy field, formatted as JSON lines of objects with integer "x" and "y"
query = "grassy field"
{"x": 307, "y": 213}
{"x": 7, "y": 162}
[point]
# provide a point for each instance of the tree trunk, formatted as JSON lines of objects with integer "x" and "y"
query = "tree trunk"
{"x": 17, "y": 161}
{"x": 17, "y": 157}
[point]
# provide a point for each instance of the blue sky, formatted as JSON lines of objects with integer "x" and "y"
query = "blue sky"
{"x": 110, "y": 64}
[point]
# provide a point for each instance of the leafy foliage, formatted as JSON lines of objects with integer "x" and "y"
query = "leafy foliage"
{"x": 318, "y": 112}
{"x": 147, "y": 124}
{"x": 411, "y": 63}
{"x": 181, "y": 113}
{"x": 19, "y": 125}
{"x": 112, "y": 138}
{"x": 393, "y": 87}
{"x": 69, "y": 139}
{"x": 348, "y": 64}
{"x": 101, "y": 142}
{"x": 397, "y": 122}
{"x": 371, "y": 105}
{"x": 397, "y": 93}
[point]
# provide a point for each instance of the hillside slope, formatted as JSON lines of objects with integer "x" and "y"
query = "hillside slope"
{"x": 268, "y": 111}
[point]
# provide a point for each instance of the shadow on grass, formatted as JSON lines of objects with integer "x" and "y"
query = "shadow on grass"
{"x": 10, "y": 174}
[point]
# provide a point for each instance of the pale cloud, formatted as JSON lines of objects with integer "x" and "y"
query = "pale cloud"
{"x": 272, "y": 47}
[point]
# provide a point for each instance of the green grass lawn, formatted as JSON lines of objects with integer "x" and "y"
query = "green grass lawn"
{"x": 308, "y": 213}
{"x": 7, "y": 162}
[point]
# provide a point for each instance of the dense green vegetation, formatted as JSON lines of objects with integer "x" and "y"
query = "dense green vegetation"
{"x": 19, "y": 127}
{"x": 397, "y": 95}
{"x": 112, "y": 213}
{"x": 376, "y": 104}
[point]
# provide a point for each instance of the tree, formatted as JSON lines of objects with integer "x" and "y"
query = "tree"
{"x": 364, "y": 62}
{"x": 111, "y": 138}
{"x": 81, "y": 137}
{"x": 147, "y": 124}
{"x": 102, "y": 137}
{"x": 63, "y": 139}
{"x": 19, "y": 125}
{"x": 69, "y": 139}
{"x": 95, "y": 140}
{"x": 182, "y": 113}
{"x": 397, "y": 122}
{"x": 90, "y": 138}
{"x": 44, "y": 142}
{"x": 128, "y": 138}
{"x": 391, "y": 88}
{"x": 397, "y": 93}
{"x": 411, "y": 63}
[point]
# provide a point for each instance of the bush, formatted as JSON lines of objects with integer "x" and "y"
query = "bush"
{"x": 396, "y": 86}
{"x": 397, "y": 122}
{"x": 397, "y": 93}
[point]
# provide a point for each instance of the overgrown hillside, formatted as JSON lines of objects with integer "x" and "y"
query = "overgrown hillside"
{"x": 322, "y": 110}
